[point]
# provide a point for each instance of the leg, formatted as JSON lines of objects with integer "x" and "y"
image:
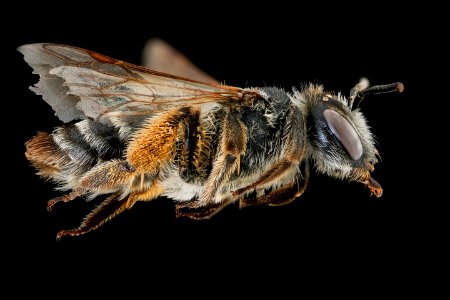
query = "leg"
{"x": 65, "y": 198}
{"x": 233, "y": 145}
{"x": 190, "y": 141}
{"x": 106, "y": 178}
{"x": 152, "y": 147}
{"x": 277, "y": 171}
{"x": 107, "y": 210}
{"x": 281, "y": 196}
{"x": 110, "y": 208}
{"x": 204, "y": 212}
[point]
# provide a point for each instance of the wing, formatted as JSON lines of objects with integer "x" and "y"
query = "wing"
{"x": 79, "y": 83}
{"x": 160, "y": 56}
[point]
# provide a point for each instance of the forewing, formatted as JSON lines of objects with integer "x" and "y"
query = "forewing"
{"x": 79, "y": 83}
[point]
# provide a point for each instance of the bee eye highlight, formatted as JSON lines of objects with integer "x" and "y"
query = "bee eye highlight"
{"x": 344, "y": 132}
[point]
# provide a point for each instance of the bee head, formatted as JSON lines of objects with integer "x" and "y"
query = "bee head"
{"x": 339, "y": 139}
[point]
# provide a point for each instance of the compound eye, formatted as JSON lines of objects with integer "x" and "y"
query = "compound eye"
{"x": 344, "y": 132}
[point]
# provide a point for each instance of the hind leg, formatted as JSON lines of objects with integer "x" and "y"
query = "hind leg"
{"x": 108, "y": 177}
{"x": 150, "y": 150}
{"x": 109, "y": 208}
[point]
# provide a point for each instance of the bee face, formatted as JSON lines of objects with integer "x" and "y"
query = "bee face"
{"x": 340, "y": 142}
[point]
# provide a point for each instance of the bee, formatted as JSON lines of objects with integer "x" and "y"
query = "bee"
{"x": 135, "y": 134}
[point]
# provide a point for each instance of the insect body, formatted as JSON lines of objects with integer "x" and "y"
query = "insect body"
{"x": 135, "y": 134}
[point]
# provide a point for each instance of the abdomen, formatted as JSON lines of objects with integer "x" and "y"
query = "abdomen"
{"x": 72, "y": 150}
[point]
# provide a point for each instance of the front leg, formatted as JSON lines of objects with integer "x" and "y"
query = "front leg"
{"x": 283, "y": 195}
{"x": 204, "y": 212}
{"x": 276, "y": 172}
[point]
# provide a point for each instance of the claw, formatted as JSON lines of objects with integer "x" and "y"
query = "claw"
{"x": 60, "y": 234}
{"x": 73, "y": 232}
{"x": 65, "y": 198}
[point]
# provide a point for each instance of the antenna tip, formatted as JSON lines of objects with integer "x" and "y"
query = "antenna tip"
{"x": 400, "y": 87}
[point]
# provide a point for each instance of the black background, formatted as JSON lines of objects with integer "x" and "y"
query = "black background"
{"x": 335, "y": 227}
